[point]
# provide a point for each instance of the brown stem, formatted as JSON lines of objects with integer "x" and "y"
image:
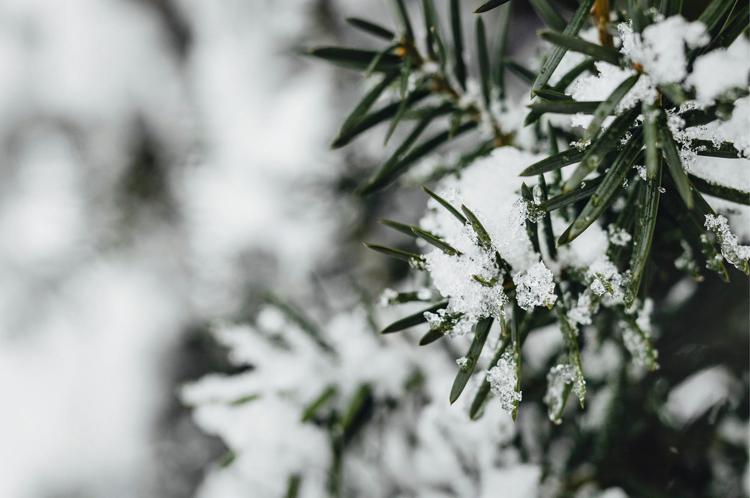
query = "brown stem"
{"x": 601, "y": 13}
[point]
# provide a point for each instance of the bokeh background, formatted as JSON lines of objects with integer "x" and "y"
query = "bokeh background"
{"x": 164, "y": 164}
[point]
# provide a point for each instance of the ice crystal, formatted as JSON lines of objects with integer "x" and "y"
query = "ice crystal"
{"x": 597, "y": 287}
{"x": 535, "y": 287}
{"x": 463, "y": 279}
{"x": 451, "y": 323}
{"x": 558, "y": 378}
{"x": 503, "y": 379}
{"x": 641, "y": 169}
{"x": 660, "y": 49}
{"x": 618, "y": 236}
{"x": 731, "y": 249}
{"x": 582, "y": 143}
{"x": 462, "y": 362}
{"x": 434, "y": 320}
{"x": 524, "y": 210}
{"x": 606, "y": 282}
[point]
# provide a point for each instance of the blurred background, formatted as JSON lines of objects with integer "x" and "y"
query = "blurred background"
{"x": 165, "y": 163}
{"x": 159, "y": 160}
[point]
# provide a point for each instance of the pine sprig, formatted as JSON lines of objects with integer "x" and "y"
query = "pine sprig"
{"x": 625, "y": 127}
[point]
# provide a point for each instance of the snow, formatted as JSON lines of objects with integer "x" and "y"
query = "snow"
{"x": 586, "y": 249}
{"x": 660, "y": 49}
{"x": 600, "y": 86}
{"x": 721, "y": 70}
{"x": 540, "y": 346}
{"x": 733, "y": 173}
{"x": 638, "y": 345}
{"x": 598, "y": 408}
{"x": 502, "y": 378}
{"x": 601, "y": 358}
{"x": 87, "y": 314}
{"x": 251, "y": 432}
{"x": 618, "y": 236}
{"x": 490, "y": 188}
{"x": 698, "y": 393}
{"x": 584, "y": 307}
{"x": 453, "y": 277}
{"x": 606, "y": 282}
{"x": 535, "y": 287}
{"x": 734, "y": 252}
{"x": 518, "y": 481}
{"x": 557, "y": 378}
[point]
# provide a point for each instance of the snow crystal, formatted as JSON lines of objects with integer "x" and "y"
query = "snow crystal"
{"x": 731, "y": 249}
{"x": 454, "y": 324}
{"x": 605, "y": 281}
{"x": 597, "y": 287}
{"x": 641, "y": 169}
{"x": 660, "y": 49}
{"x": 638, "y": 345}
{"x": 462, "y": 362}
{"x": 535, "y": 287}
{"x": 721, "y": 70}
{"x": 618, "y": 236}
{"x": 558, "y": 377}
{"x": 503, "y": 379}
{"x": 455, "y": 277}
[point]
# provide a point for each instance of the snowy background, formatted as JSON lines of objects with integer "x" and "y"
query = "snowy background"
{"x": 147, "y": 148}
{"x": 165, "y": 163}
